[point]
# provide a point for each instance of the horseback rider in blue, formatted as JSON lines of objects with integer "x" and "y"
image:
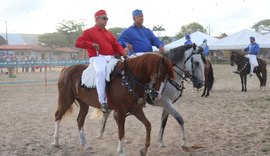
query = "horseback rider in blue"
{"x": 138, "y": 38}
{"x": 253, "y": 49}
{"x": 188, "y": 39}
{"x": 205, "y": 48}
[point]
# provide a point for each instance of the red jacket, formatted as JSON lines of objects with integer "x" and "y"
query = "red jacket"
{"x": 107, "y": 42}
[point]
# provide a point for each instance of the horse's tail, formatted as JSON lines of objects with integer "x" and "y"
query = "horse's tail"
{"x": 211, "y": 78}
{"x": 66, "y": 97}
{"x": 264, "y": 72}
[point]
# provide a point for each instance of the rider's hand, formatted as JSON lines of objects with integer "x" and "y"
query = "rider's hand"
{"x": 161, "y": 49}
{"x": 125, "y": 52}
{"x": 129, "y": 46}
{"x": 95, "y": 46}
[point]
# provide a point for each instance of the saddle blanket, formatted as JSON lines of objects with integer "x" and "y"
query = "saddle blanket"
{"x": 89, "y": 74}
{"x": 253, "y": 59}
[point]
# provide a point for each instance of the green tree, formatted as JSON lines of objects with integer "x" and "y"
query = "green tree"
{"x": 158, "y": 29}
{"x": 67, "y": 32}
{"x": 116, "y": 31}
{"x": 2, "y": 40}
{"x": 262, "y": 26}
{"x": 166, "y": 40}
{"x": 190, "y": 28}
{"x": 52, "y": 40}
{"x": 70, "y": 30}
{"x": 223, "y": 35}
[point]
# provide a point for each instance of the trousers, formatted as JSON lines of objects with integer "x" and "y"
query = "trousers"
{"x": 253, "y": 62}
{"x": 99, "y": 63}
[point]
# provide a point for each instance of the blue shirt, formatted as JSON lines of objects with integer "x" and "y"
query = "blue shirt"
{"x": 188, "y": 42}
{"x": 205, "y": 50}
{"x": 142, "y": 39}
{"x": 253, "y": 48}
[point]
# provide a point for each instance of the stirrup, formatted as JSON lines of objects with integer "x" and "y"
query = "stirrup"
{"x": 104, "y": 107}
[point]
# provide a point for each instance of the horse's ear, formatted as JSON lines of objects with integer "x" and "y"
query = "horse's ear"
{"x": 194, "y": 46}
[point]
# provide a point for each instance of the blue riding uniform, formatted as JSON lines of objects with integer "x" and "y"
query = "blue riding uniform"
{"x": 141, "y": 39}
{"x": 253, "y": 48}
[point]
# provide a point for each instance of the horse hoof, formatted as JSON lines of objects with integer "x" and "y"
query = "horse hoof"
{"x": 142, "y": 152}
{"x": 162, "y": 145}
{"x": 186, "y": 148}
{"x": 100, "y": 137}
{"x": 56, "y": 145}
{"x": 87, "y": 147}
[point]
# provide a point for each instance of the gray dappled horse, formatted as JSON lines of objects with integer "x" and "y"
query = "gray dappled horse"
{"x": 188, "y": 62}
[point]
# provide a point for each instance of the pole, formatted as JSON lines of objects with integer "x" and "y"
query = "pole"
{"x": 209, "y": 29}
{"x": 6, "y": 32}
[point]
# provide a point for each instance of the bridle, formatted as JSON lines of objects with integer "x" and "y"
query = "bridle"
{"x": 185, "y": 76}
{"x": 238, "y": 62}
{"x": 150, "y": 93}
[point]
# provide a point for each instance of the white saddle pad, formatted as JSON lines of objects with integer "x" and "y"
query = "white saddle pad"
{"x": 89, "y": 74}
{"x": 253, "y": 60}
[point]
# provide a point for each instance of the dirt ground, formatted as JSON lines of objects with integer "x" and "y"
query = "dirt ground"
{"x": 228, "y": 123}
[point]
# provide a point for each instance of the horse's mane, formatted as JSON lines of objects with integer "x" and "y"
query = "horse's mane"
{"x": 146, "y": 65}
{"x": 179, "y": 51}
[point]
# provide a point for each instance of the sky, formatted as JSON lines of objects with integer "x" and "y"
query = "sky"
{"x": 218, "y": 16}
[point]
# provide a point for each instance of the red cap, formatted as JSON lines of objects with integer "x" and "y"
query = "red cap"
{"x": 100, "y": 13}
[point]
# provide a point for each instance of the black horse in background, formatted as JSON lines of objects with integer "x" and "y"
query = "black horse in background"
{"x": 243, "y": 68}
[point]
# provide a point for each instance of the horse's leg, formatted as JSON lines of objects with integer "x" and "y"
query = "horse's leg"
{"x": 242, "y": 82}
{"x": 80, "y": 120}
{"x": 245, "y": 83}
{"x": 204, "y": 90}
{"x": 121, "y": 118}
{"x": 64, "y": 104}
{"x": 164, "y": 119}
{"x": 170, "y": 108}
{"x": 260, "y": 79}
{"x": 207, "y": 90}
{"x": 103, "y": 123}
{"x": 139, "y": 114}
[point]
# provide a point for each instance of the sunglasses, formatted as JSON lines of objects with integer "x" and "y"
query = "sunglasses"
{"x": 104, "y": 18}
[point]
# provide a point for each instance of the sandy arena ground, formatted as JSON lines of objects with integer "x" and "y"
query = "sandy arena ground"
{"x": 228, "y": 123}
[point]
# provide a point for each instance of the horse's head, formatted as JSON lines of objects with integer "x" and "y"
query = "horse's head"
{"x": 236, "y": 57}
{"x": 151, "y": 71}
{"x": 194, "y": 64}
{"x": 190, "y": 59}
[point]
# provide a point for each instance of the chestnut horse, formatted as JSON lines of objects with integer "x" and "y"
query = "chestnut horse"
{"x": 209, "y": 78}
{"x": 243, "y": 68}
{"x": 188, "y": 61}
{"x": 131, "y": 82}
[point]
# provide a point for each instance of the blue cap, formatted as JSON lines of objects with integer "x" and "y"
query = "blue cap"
{"x": 136, "y": 12}
{"x": 187, "y": 36}
{"x": 252, "y": 38}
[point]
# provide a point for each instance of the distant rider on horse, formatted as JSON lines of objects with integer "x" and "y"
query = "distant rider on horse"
{"x": 253, "y": 50}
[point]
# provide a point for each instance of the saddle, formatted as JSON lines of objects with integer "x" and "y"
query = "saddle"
{"x": 88, "y": 78}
